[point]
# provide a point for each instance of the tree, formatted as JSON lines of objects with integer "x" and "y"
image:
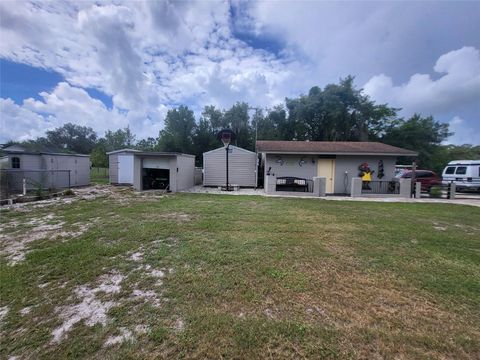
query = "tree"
{"x": 120, "y": 139}
{"x": 204, "y": 139}
{"x": 237, "y": 119}
{"x": 98, "y": 156}
{"x": 71, "y": 137}
{"x": 339, "y": 112}
{"x": 423, "y": 135}
{"x": 148, "y": 144}
{"x": 178, "y": 132}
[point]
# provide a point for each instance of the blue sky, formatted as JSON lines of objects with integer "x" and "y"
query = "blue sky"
{"x": 109, "y": 65}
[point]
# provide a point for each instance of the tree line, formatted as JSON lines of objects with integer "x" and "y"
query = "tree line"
{"x": 338, "y": 112}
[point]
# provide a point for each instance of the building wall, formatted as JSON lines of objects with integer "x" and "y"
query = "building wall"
{"x": 137, "y": 173}
{"x": 350, "y": 165}
{"x": 186, "y": 172}
{"x": 289, "y": 165}
{"x": 79, "y": 167}
{"x": 27, "y": 161}
{"x": 113, "y": 168}
{"x": 242, "y": 167}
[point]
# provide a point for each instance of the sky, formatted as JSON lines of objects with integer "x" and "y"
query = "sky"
{"x": 109, "y": 65}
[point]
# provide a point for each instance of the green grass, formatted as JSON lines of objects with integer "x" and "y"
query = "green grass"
{"x": 249, "y": 277}
{"x": 99, "y": 175}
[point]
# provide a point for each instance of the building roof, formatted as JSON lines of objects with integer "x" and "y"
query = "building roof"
{"x": 36, "y": 149}
{"x": 332, "y": 148}
{"x": 230, "y": 146}
{"x": 153, "y": 153}
{"x": 123, "y": 150}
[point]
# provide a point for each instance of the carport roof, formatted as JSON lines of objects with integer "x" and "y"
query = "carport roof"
{"x": 332, "y": 148}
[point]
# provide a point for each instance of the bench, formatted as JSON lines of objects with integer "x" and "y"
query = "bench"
{"x": 290, "y": 183}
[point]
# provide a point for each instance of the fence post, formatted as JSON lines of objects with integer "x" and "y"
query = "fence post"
{"x": 24, "y": 184}
{"x": 356, "y": 187}
{"x": 452, "y": 188}
{"x": 405, "y": 188}
{"x": 418, "y": 190}
{"x": 319, "y": 186}
{"x": 270, "y": 184}
{"x": 69, "y": 183}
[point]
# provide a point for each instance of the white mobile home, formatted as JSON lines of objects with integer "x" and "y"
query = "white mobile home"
{"x": 152, "y": 170}
{"x": 242, "y": 167}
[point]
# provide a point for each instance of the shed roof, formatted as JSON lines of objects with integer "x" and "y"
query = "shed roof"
{"x": 156, "y": 153}
{"x": 332, "y": 147}
{"x": 231, "y": 146}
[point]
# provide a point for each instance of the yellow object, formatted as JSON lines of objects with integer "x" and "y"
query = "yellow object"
{"x": 367, "y": 176}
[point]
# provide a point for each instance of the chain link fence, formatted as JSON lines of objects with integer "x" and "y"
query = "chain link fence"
{"x": 15, "y": 182}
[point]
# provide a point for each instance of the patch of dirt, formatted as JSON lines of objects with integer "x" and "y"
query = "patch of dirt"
{"x": 177, "y": 217}
{"x": 147, "y": 295}
{"x": 3, "y": 312}
{"x": 14, "y": 245}
{"x": 125, "y": 335}
{"x": 91, "y": 310}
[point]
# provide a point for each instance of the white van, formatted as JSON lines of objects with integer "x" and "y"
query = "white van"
{"x": 464, "y": 173}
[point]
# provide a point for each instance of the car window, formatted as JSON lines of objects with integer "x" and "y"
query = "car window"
{"x": 461, "y": 170}
{"x": 450, "y": 170}
{"x": 407, "y": 175}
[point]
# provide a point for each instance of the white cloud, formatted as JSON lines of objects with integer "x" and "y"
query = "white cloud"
{"x": 457, "y": 86}
{"x": 71, "y": 104}
{"x": 152, "y": 55}
{"x": 463, "y": 133}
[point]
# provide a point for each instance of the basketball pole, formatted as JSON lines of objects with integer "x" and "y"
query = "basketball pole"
{"x": 226, "y": 149}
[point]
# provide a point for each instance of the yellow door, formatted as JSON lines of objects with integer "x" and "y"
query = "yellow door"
{"x": 326, "y": 169}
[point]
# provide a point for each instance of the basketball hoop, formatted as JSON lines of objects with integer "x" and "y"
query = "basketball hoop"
{"x": 226, "y": 136}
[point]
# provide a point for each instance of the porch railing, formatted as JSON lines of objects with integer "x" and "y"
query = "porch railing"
{"x": 381, "y": 187}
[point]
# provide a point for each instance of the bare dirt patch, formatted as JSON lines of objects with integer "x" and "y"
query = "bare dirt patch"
{"x": 91, "y": 310}
{"x": 177, "y": 217}
{"x": 14, "y": 245}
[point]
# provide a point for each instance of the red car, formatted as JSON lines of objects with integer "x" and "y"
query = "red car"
{"x": 426, "y": 177}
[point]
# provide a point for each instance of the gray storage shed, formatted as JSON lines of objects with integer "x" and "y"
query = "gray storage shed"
{"x": 152, "y": 170}
{"x": 45, "y": 169}
{"x": 242, "y": 166}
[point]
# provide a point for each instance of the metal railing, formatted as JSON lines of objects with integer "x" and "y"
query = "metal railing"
{"x": 32, "y": 182}
{"x": 381, "y": 187}
{"x": 294, "y": 184}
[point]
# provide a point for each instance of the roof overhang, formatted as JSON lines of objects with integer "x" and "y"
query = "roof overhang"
{"x": 414, "y": 154}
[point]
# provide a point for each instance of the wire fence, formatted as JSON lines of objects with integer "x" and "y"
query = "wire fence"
{"x": 32, "y": 182}
{"x": 99, "y": 175}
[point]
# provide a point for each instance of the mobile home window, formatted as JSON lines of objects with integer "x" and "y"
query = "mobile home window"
{"x": 461, "y": 170}
{"x": 15, "y": 163}
{"x": 450, "y": 170}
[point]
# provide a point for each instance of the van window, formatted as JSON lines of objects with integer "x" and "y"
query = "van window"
{"x": 450, "y": 170}
{"x": 461, "y": 170}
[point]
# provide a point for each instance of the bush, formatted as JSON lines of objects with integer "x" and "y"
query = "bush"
{"x": 68, "y": 192}
{"x": 435, "y": 192}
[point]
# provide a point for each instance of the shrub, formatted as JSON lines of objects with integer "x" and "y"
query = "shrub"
{"x": 435, "y": 192}
{"x": 68, "y": 192}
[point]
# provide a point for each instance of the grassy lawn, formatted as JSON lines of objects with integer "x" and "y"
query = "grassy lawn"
{"x": 122, "y": 276}
{"x": 99, "y": 175}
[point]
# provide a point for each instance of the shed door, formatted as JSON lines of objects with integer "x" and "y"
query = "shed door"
{"x": 326, "y": 169}
{"x": 125, "y": 169}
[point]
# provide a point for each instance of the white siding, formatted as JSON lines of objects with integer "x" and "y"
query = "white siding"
{"x": 186, "y": 172}
{"x": 125, "y": 169}
{"x": 242, "y": 167}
